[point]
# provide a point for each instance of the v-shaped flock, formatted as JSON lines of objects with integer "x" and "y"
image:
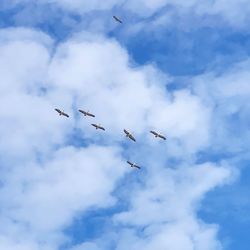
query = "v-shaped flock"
{"x": 127, "y": 133}
{"x": 98, "y": 126}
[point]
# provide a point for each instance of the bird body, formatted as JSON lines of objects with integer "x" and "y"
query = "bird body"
{"x": 61, "y": 112}
{"x": 86, "y": 113}
{"x": 133, "y": 165}
{"x": 158, "y": 135}
{"x": 98, "y": 126}
{"x": 129, "y": 135}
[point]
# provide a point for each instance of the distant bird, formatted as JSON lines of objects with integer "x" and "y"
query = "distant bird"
{"x": 117, "y": 19}
{"x": 86, "y": 113}
{"x": 133, "y": 165}
{"x": 129, "y": 135}
{"x": 61, "y": 112}
{"x": 97, "y": 126}
{"x": 158, "y": 135}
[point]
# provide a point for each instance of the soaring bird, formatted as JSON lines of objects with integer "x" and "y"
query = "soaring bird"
{"x": 158, "y": 135}
{"x": 117, "y": 19}
{"x": 61, "y": 112}
{"x": 129, "y": 135}
{"x": 133, "y": 165}
{"x": 97, "y": 126}
{"x": 86, "y": 113}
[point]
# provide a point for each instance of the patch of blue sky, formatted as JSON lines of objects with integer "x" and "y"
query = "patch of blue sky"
{"x": 188, "y": 53}
{"x": 47, "y": 18}
{"x": 228, "y": 207}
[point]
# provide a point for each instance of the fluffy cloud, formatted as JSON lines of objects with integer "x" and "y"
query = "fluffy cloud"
{"x": 165, "y": 210}
{"x": 54, "y": 169}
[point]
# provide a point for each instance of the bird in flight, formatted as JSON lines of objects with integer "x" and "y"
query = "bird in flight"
{"x": 129, "y": 135}
{"x": 117, "y": 19}
{"x": 61, "y": 112}
{"x": 97, "y": 126}
{"x": 158, "y": 135}
{"x": 86, "y": 113}
{"x": 133, "y": 165}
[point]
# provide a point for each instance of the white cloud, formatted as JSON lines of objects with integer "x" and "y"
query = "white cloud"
{"x": 227, "y": 93}
{"x": 51, "y": 181}
{"x": 171, "y": 194}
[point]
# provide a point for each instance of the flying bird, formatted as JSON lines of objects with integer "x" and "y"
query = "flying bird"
{"x": 117, "y": 19}
{"x": 61, "y": 112}
{"x": 158, "y": 135}
{"x": 86, "y": 113}
{"x": 97, "y": 126}
{"x": 129, "y": 135}
{"x": 133, "y": 165}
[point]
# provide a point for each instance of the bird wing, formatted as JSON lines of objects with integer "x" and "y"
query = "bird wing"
{"x": 89, "y": 114}
{"x": 137, "y": 167}
{"x": 82, "y": 111}
{"x": 94, "y": 125}
{"x": 126, "y": 132}
{"x": 65, "y": 114}
{"x": 162, "y": 137}
{"x": 153, "y": 132}
{"x": 101, "y": 128}
{"x": 132, "y": 137}
{"x": 130, "y": 163}
{"x": 58, "y": 110}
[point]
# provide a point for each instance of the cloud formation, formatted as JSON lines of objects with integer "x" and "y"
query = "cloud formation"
{"x": 47, "y": 180}
{"x": 55, "y": 170}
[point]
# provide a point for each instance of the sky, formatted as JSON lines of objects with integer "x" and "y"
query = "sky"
{"x": 180, "y": 68}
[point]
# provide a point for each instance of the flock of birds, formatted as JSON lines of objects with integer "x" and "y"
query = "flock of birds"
{"x": 127, "y": 133}
{"x": 97, "y": 126}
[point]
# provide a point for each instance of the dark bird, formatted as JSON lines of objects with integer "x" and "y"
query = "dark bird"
{"x": 158, "y": 135}
{"x": 61, "y": 112}
{"x": 117, "y": 19}
{"x": 97, "y": 126}
{"x": 129, "y": 135}
{"x": 86, "y": 113}
{"x": 133, "y": 165}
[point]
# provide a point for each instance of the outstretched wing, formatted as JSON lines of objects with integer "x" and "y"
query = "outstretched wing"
{"x": 162, "y": 137}
{"x": 130, "y": 163}
{"x": 89, "y": 114}
{"x": 65, "y": 114}
{"x": 58, "y": 111}
{"x": 82, "y": 111}
{"x": 154, "y": 133}
{"x": 132, "y": 137}
{"x": 101, "y": 128}
{"x": 126, "y": 132}
{"x": 136, "y": 166}
{"x": 94, "y": 125}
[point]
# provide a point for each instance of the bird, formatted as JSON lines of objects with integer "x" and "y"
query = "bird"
{"x": 133, "y": 165}
{"x": 129, "y": 135}
{"x": 97, "y": 126}
{"x": 61, "y": 112}
{"x": 158, "y": 135}
{"x": 86, "y": 113}
{"x": 117, "y": 19}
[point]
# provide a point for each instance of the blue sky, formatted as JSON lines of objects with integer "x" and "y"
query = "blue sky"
{"x": 181, "y": 69}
